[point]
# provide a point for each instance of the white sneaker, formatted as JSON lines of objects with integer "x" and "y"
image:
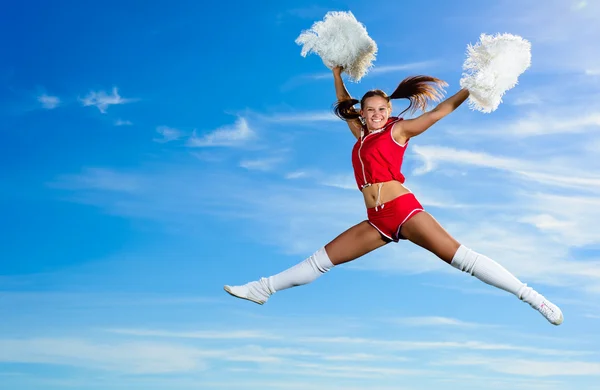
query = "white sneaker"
{"x": 541, "y": 304}
{"x": 257, "y": 291}
{"x": 551, "y": 312}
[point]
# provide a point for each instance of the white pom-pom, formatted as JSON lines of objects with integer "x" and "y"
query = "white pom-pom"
{"x": 340, "y": 40}
{"x": 492, "y": 67}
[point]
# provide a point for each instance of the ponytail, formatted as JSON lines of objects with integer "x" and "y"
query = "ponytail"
{"x": 345, "y": 110}
{"x": 418, "y": 90}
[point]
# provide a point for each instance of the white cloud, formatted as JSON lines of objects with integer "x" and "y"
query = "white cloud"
{"x": 343, "y": 181}
{"x": 318, "y": 116}
{"x": 221, "y": 334}
{"x": 420, "y": 66}
{"x": 530, "y": 367}
{"x": 296, "y": 175}
{"x": 121, "y": 122}
{"x": 235, "y": 135}
{"x": 49, "y": 102}
{"x": 538, "y": 124}
{"x": 526, "y": 99}
{"x": 383, "y": 69}
{"x": 432, "y": 156}
{"x": 102, "y": 100}
{"x": 136, "y": 358}
{"x": 265, "y": 164}
{"x": 572, "y": 37}
{"x": 296, "y": 226}
{"x": 579, "y": 5}
{"x": 435, "y": 321}
{"x": 168, "y": 134}
{"x": 592, "y": 146}
{"x": 400, "y": 345}
{"x": 362, "y": 371}
{"x": 210, "y": 157}
{"x": 104, "y": 299}
{"x": 99, "y": 179}
{"x": 467, "y": 290}
{"x": 375, "y": 71}
{"x": 570, "y": 219}
{"x": 357, "y": 357}
{"x": 554, "y": 173}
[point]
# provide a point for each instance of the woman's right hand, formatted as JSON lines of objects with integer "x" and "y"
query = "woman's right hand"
{"x": 337, "y": 70}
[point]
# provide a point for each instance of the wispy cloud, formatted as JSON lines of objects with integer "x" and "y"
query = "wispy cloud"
{"x": 296, "y": 175}
{"x": 166, "y": 196}
{"x": 357, "y": 357}
{"x": 376, "y": 70}
{"x": 104, "y": 299}
{"x": 49, "y": 102}
{"x": 121, "y": 122}
{"x": 264, "y": 164}
{"x": 539, "y": 124}
{"x": 435, "y": 321}
{"x": 318, "y": 116}
{"x": 398, "y": 345}
{"x": 530, "y": 367}
{"x": 168, "y": 134}
{"x": 99, "y": 179}
{"x": 422, "y": 65}
{"x": 580, "y": 5}
{"x": 570, "y": 219}
{"x": 555, "y": 173}
{"x": 432, "y": 156}
{"x": 383, "y": 69}
{"x": 235, "y": 135}
{"x": 342, "y": 181}
{"x": 221, "y": 335}
{"x": 136, "y": 358}
{"x": 102, "y": 100}
{"x": 572, "y": 36}
{"x": 526, "y": 99}
{"x": 467, "y": 290}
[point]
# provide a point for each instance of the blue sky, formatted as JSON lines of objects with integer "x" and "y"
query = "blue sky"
{"x": 153, "y": 152}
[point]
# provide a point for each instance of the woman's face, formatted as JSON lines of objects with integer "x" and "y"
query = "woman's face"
{"x": 376, "y": 111}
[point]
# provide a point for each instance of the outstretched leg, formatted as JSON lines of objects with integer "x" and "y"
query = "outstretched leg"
{"x": 425, "y": 231}
{"x": 350, "y": 245}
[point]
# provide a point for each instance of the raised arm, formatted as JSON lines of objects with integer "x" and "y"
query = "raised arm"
{"x": 404, "y": 130}
{"x": 342, "y": 94}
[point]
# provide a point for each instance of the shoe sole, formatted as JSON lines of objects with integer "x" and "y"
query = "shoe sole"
{"x": 560, "y": 320}
{"x": 226, "y": 288}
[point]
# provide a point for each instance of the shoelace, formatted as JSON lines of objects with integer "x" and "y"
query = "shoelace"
{"x": 548, "y": 311}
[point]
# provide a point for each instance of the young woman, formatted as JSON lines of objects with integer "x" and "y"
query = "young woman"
{"x": 393, "y": 211}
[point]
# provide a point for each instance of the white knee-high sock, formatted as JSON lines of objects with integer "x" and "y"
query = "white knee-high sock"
{"x": 304, "y": 272}
{"x": 492, "y": 273}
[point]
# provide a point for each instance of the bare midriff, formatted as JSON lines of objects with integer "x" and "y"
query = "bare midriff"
{"x": 389, "y": 190}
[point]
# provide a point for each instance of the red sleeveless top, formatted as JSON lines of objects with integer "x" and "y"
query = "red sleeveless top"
{"x": 377, "y": 157}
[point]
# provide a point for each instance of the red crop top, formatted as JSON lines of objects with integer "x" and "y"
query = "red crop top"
{"x": 377, "y": 157}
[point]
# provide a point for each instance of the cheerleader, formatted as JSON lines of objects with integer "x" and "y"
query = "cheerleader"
{"x": 393, "y": 212}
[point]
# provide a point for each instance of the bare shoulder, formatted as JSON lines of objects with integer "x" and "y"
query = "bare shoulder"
{"x": 398, "y": 132}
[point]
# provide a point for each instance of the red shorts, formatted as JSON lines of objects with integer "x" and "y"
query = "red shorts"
{"x": 389, "y": 217}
